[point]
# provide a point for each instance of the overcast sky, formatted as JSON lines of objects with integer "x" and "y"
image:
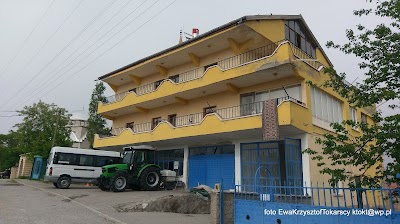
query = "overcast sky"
{"x": 41, "y": 40}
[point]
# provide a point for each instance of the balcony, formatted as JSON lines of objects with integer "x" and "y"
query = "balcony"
{"x": 197, "y": 73}
{"x": 272, "y": 56}
{"x": 225, "y": 120}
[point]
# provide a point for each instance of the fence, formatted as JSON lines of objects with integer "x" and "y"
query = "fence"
{"x": 322, "y": 195}
{"x": 273, "y": 204}
{"x": 197, "y": 118}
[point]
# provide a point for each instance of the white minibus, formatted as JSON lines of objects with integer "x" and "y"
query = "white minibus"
{"x": 71, "y": 165}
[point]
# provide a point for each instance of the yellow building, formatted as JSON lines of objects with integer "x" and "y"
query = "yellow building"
{"x": 233, "y": 103}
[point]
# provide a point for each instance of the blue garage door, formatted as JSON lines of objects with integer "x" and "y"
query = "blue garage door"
{"x": 208, "y": 165}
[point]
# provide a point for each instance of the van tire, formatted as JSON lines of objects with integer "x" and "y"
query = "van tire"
{"x": 64, "y": 182}
{"x": 55, "y": 185}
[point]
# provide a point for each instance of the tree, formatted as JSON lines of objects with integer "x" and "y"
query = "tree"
{"x": 97, "y": 124}
{"x": 40, "y": 124}
{"x": 9, "y": 151}
{"x": 379, "y": 50}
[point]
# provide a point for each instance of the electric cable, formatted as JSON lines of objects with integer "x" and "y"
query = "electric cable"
{"x": 25, "y": 41}
{"x": 63, "y": 74}
{"x": 48, "y": 79}
{"x": 134, "y": 31}
{"x": 45, "y": 43}
{"x": 60, "y": 52}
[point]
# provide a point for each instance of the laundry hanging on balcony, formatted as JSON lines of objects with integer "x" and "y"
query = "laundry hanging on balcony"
{"x": 270, "y": 127}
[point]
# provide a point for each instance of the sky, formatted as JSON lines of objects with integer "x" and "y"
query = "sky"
{"x": 54, "y": 50}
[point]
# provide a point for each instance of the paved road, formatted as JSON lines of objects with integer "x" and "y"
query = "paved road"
{"x": 28, "y": 201}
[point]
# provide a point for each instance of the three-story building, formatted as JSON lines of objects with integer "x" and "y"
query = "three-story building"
{"x": 234, "y": 103}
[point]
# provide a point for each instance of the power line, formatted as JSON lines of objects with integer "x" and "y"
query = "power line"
{"x": 25, "y": 41}
{"x": 60, "y": 52}
{"x": 134, "y": 31}
{"x": 46, "y": 42}
{"x": 39, "y": 89}
{"x": 12, "y": 115}
{"x": 7, "y": 111}
{"x": 47, "y": 80}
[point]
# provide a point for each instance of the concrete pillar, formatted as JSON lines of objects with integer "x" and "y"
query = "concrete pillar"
{"x": 186, "y": 165}
{"x": 238, "y": 170}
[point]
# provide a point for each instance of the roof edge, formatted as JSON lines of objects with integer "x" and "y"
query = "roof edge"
{"x": 228, "y": 25}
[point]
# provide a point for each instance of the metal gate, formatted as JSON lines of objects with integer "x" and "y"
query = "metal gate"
{"x": 208, "y": 165}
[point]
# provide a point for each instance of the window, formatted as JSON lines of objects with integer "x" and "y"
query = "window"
{"x": 209, "y": 110}
{"x": 85, "y": 160}
{"x": 155, "y": 122}
{"x": 210, "y": 65}
{"x": 212, "y": 150}
{"x": 130, "y": 125}
{"x": 127, "y": 157}
{"x": 297, "y": 35}
{"x": 171, "y": 160}
{"x": 325, "y": 107}
{"x": 105, "y": 160}
{"x": 247, "y": 103}
{"x": 363, "y": 118}
{"x": 353, "y": 114}
{"x": 172, "y": 119}
{"x": 274, "y": 163}
{"x": 174, "y": 78}
{"x": 157, "y": 83}
{"x": 250, "y": 101}
{"x": 65, "y": 158}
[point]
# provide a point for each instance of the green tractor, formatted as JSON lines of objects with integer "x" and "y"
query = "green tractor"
{"x": 137, "y": 171}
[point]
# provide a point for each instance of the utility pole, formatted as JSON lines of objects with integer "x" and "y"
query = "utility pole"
{"x": 55, "y": 128}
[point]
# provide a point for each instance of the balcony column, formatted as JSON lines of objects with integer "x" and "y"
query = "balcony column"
{"x": 185, "y": 165}
{"x": 238, "y": 173}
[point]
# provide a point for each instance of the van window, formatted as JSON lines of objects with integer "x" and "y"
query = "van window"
{"x": 104, "y": 160}
{"x": 65, "y": 158}
{"x": 85, "y": 160}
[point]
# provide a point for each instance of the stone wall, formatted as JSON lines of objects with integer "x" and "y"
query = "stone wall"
{"x": 14, "y": 171}
{"x": 227, "y": 208}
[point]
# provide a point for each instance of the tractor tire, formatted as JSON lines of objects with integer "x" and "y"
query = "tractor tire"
{"x": 55, "y": 185}
{"x": 118, "y": 182}
{"x": 150, "y": 179}
{"x": 104, "y": 184}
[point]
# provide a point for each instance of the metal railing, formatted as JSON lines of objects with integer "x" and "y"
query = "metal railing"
{"x": 248, "y": 56}
{"x": 191, "y": 75}
{"x": 189, "y": 119}
{"x": 117, "y": 131}
{"x": 322, "y": 194}
{"x": 225, "y": 64}
{"x": 300, "y": 54}
{"x": 196, "y": 118}
{"x": 141, "y": 90}
{"x": 114, "y": 98}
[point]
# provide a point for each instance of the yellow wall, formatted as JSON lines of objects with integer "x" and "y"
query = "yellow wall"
{"x": 274, "y": 30}
{"x": 213, "y": 75}
{"x": 226, "y": 53}
{"x": 221, "y": 100}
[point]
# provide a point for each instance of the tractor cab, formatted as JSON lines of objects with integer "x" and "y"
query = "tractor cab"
{"x": 138, "y": 156}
